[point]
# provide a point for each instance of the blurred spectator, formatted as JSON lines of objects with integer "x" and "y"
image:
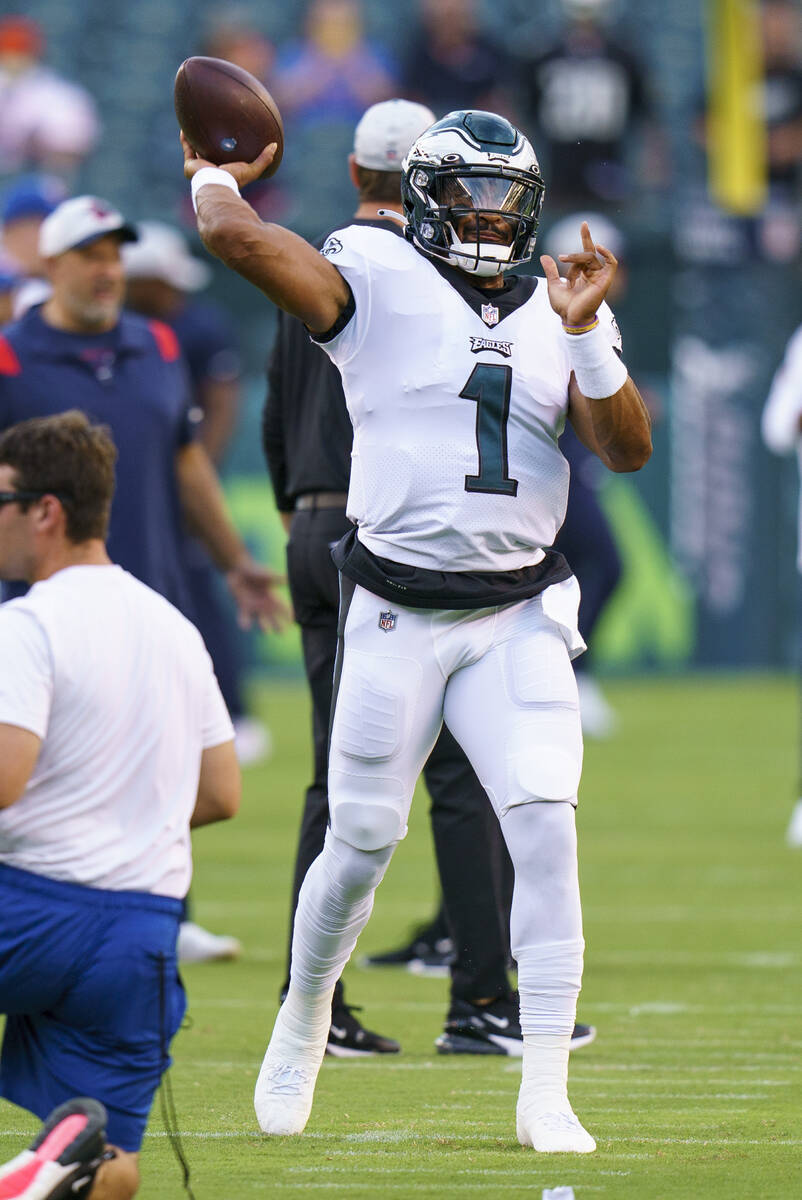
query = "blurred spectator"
{"x": 781, "y": 427}
{"x": 333, "y": 73}
{"x": 452, "y": 63}
{"x": 588, "y": 99}
{"x": 9, "y": 278}
{"x": 162, "y": 278}
{"x": 46, "y": 122}
{"x": 234, "y": 38}
{"x": 783, "y": 88}
{"x": 24, "y": 207}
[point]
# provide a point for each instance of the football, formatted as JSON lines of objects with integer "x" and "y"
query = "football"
{"x": 226, "y": 114}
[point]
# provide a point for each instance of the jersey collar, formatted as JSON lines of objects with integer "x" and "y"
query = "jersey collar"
{"x": 505, "y": 300}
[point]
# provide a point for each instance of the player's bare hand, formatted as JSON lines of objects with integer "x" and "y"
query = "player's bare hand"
{"x": 242, "y": 172}
{"x": 577, "y": 296}
{"x": 254, "y": 589}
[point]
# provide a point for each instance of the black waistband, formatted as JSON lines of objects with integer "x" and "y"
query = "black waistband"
{"x": 418, "y": 587}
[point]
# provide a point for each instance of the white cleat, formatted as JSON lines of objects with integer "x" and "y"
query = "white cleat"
{"x": 793, "y": 835}
{"x": 283, "y": 1096}
{"x": 556, "y": 1132}
{"x": 598, "y": 717}
{"x": 196, "y": 944}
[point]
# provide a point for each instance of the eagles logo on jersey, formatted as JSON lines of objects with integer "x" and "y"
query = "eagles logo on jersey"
{"x": 472, "y": 193}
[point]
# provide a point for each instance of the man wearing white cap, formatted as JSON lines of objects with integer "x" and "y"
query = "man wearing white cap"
{"x": 80, "y": 350}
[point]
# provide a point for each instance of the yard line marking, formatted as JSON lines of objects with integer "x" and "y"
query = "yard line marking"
{"x": 703, "y": 958}
{"x": 636, "y": 1139}
{"x": 661, "y": 1008}
{"x": 715, "y": 1009}
{"x": 676, "y": 912}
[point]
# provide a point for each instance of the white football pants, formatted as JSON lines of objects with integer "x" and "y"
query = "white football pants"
{"x": 503, "y": 681}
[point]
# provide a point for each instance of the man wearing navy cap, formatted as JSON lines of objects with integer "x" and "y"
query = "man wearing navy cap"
{"x": 25, "y": 206}
{"x": 80, "y": 350}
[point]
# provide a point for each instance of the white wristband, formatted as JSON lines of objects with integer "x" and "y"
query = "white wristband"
{"x": 211, "y": 175}
{"x": 598, "y": 369}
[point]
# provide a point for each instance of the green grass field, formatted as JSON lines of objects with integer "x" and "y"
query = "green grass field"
{"x": 693, "y": 976}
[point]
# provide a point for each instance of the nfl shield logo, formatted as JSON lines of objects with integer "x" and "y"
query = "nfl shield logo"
{"x": 490, "y": 314}
{"x": 387, "y": 621}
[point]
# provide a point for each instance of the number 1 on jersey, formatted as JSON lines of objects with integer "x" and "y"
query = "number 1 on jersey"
{"x": 490, "y": 385}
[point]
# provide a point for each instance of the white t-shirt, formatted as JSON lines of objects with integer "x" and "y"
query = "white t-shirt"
{"x": 120, "y": 688}
{"x": 782, "y": 413}
{"x": 455, "y": 463}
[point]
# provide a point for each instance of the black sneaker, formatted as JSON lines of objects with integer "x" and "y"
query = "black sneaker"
{"x": 583, "y": 1035}
{"x": 493, "y": 1029}
{"x": 348, "y": 1038}
{"x": 63, "y": 1157}
{"x": 428, "y": 951}
{"x": 433, "y": 960}
{"x": 482, "y": 1028}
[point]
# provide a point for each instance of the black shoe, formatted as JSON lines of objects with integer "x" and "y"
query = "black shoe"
{"x": 433, "y": 954}
{"x": 63, "y": 1157}
{"x": 583, "y": 1035}
{"x": 483, "y": 1028}
{"x": 348, "y": 1039}
{"x": 434, "y": 960}
{"x": 493, "y": 1029}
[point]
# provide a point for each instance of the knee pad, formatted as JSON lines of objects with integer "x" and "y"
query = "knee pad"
{"x": 367, "y": 811}
{"x": 355, "y": 872}
{"x": 545, "y": 743}
{"x": 546, "y": 763}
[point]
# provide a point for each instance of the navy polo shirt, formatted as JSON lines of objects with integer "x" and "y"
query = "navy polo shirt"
{"x": 134, "y": 380}
{"x": 208, "y": 344}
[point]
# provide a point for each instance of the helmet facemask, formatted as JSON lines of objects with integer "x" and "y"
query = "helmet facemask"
{"x": 480, "y": 218}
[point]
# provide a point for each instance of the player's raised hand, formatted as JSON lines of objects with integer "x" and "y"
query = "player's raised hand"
{"x": 577, "y": 296}
{"x": 241, "y": 171}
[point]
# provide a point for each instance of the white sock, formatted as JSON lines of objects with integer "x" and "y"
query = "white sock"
{"x": 549, "y": 977}
{"x": 547, "y": 944}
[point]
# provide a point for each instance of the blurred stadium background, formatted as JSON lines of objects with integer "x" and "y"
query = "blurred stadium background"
{"x": 707, "y": 530}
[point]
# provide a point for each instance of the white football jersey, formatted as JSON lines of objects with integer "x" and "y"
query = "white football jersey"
{"x": 455, "y": 461}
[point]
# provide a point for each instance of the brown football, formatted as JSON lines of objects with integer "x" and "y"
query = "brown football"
{"x": 226, "y": 114}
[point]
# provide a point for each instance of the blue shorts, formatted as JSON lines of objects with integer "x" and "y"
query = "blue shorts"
{"x": 90, "y": 985}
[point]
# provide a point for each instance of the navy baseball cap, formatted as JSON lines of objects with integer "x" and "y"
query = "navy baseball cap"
{"x": 32, "y": 196}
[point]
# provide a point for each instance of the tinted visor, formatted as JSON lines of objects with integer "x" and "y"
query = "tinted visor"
{"x": 492, "y": 193}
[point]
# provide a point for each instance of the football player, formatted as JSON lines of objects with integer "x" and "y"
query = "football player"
{"x": 458, "y": 379}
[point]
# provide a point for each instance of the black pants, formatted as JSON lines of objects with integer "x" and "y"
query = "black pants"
{"x": 466, "y": 838}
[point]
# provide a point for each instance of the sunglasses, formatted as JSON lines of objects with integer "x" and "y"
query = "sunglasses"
{"x": 19, "y": 497}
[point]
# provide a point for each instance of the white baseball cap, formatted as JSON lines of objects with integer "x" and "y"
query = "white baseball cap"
{"x": 162, "y": 252}
{"x": 564, "y": 236}
{"x": 387, "y": 130}
{"x": 79, "y": 221}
